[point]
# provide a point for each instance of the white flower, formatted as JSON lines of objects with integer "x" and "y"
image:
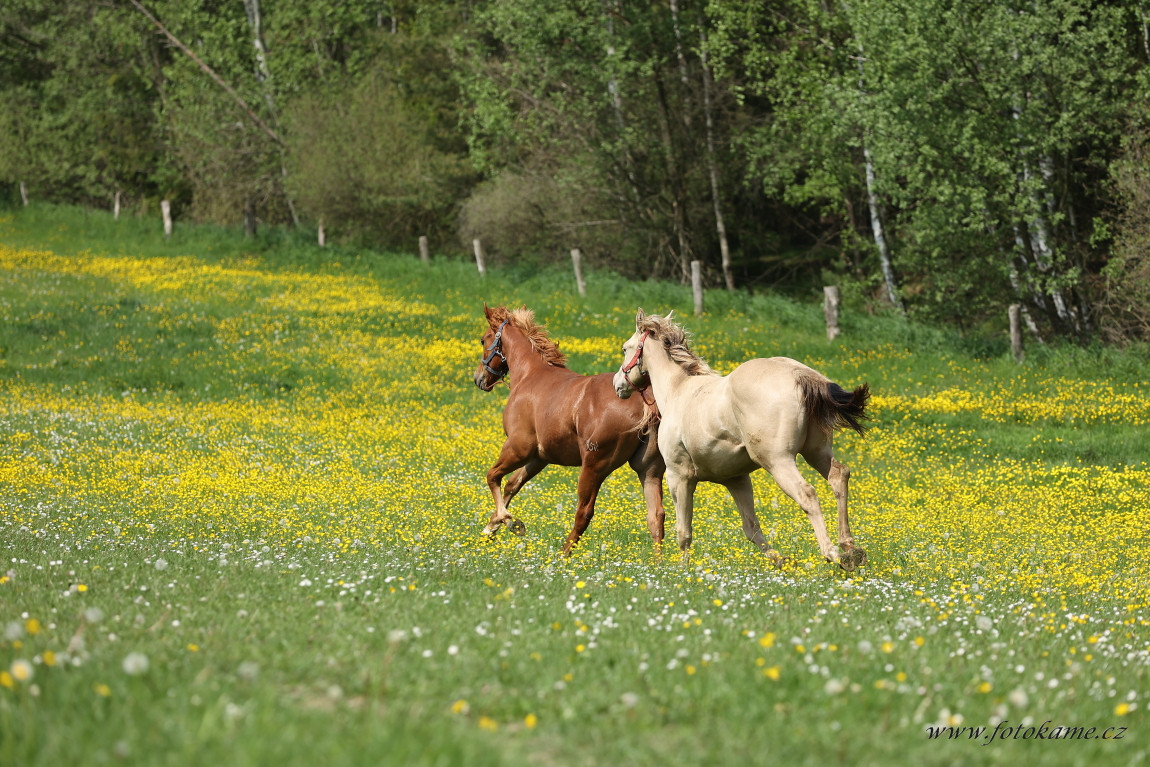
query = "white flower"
{"x": 21, "y": 670}
{"x": 983, "y": 623}
{"x": 161, "y": 564}
{"x": 834, "y": 686}
{"x": 135, "y": 663}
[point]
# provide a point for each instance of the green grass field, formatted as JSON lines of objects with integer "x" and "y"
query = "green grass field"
{"x": 242, "y": 488}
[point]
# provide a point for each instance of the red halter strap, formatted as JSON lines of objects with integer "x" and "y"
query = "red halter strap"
{"x": 631, "y": 365}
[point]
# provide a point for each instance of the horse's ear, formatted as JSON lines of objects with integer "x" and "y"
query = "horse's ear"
{"x": 670, "y": 314}
{"x": 639, "y": 317}
{"x": 486, "y": 311}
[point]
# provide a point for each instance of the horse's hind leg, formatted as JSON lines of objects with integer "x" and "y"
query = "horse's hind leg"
{"x": 787, "y": 474}
{"x": 743, "y": 492}
{"x": 838, "y": 476}
{"x": 591, "y": 478}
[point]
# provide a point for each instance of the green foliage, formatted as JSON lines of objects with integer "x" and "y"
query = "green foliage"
{"x": 370, "y": 163}
{"x": 991, "y": 134}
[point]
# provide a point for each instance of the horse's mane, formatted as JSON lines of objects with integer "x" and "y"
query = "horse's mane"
{"x": 524, "y": 319}
{"x": 675, "y": 341}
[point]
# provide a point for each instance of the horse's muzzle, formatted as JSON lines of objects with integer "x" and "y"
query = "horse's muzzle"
{"x": 484, "y": 381}
{"x": 623, "y": 387}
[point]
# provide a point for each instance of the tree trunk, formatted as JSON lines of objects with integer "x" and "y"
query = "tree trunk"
{"x": 683, "y": 76}
{"x": 872, "y": 194}
{"x": 879, "y": 235}
{"x": 712, "y": 167}
{"x": 263, "y": 76}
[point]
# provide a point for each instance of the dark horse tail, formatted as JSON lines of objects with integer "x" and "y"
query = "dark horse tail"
{"x": 832, "y": 407}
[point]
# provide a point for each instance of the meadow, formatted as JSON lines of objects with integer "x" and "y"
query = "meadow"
{"x": 242, "y": 489}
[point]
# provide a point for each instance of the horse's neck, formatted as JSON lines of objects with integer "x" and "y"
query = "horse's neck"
{"x": 522, "y": 359}
{"x": 667, "y": 376}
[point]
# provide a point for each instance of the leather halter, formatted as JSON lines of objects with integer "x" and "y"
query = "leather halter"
{"x": 635, "y": 360}
{"x": 496, "y": 349}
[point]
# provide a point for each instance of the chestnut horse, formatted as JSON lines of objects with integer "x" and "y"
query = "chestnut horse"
{"x": 554, "y": 415}
{"x": 721, "y": 428}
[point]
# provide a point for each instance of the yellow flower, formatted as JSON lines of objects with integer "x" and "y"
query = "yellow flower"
{"x": 767, "y": 639}
{"x": 487, "y": 723}
{"x": 6, "y": 680}
{"x": 772, "y": 673}
{"x": 1122, "y": 709}
{"x": 81, "y": 588}
{"x": 459, "y": 707}
{"x": 102, "y": 690}
{"x": 49, "y": 658}
{"x": 985, "y": 687}
{"x": 530, "y": 721}
{"x": 193, "y": 647}
{"x": 32, "y": 626}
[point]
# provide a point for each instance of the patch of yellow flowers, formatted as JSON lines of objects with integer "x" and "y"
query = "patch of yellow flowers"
{"x": 398, "y": 457}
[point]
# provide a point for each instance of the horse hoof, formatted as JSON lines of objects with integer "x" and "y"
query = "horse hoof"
{"x": 852, "y": 558}
{"x": 516, "y": 526}
{"x": 778, "y": 560}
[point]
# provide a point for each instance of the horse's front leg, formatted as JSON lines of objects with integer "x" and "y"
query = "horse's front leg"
{"x": 510, "y": 459}
{"x": 683, "y": 496}
{"x": 515, "y": 484}
{"x": 649, "y": 466}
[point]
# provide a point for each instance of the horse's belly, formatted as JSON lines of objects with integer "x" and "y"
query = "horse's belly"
{"x": 717, "y": 463}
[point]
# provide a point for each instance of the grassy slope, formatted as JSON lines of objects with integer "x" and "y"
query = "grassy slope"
{"x": 194, "y": 439}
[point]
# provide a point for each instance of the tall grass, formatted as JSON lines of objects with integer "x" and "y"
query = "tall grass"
{"x": 241, "y": 490}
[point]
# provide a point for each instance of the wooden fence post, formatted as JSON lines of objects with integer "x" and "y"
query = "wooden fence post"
{"x": 479, "y": 260}
{"x": 166, "y": 210}
{"x": 697, "y": 286}
{"x": 831, "y": 310}
{"x": 424, "y": 251}
{"x": 577, "y": 262}
{"x": 249, "y": 219}
{"x": 1016, "y": 332}
{"x": 24, "y": 193}
{"x": 321, "y": 234}
{"x": 116, "y": 207}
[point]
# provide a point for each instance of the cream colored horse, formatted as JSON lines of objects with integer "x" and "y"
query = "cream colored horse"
{"x": 721, "y": 428}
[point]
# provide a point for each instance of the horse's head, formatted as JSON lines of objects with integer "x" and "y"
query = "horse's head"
{"x": 632, "y": 374}
{"x": 493, "y": 364}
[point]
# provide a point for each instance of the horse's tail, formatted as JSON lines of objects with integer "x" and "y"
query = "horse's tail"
{"x": 832, "y": 407}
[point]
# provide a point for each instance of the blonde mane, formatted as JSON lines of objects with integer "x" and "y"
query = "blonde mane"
{"x": 674, "y": 339}
{"x": 524, "y": 319}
